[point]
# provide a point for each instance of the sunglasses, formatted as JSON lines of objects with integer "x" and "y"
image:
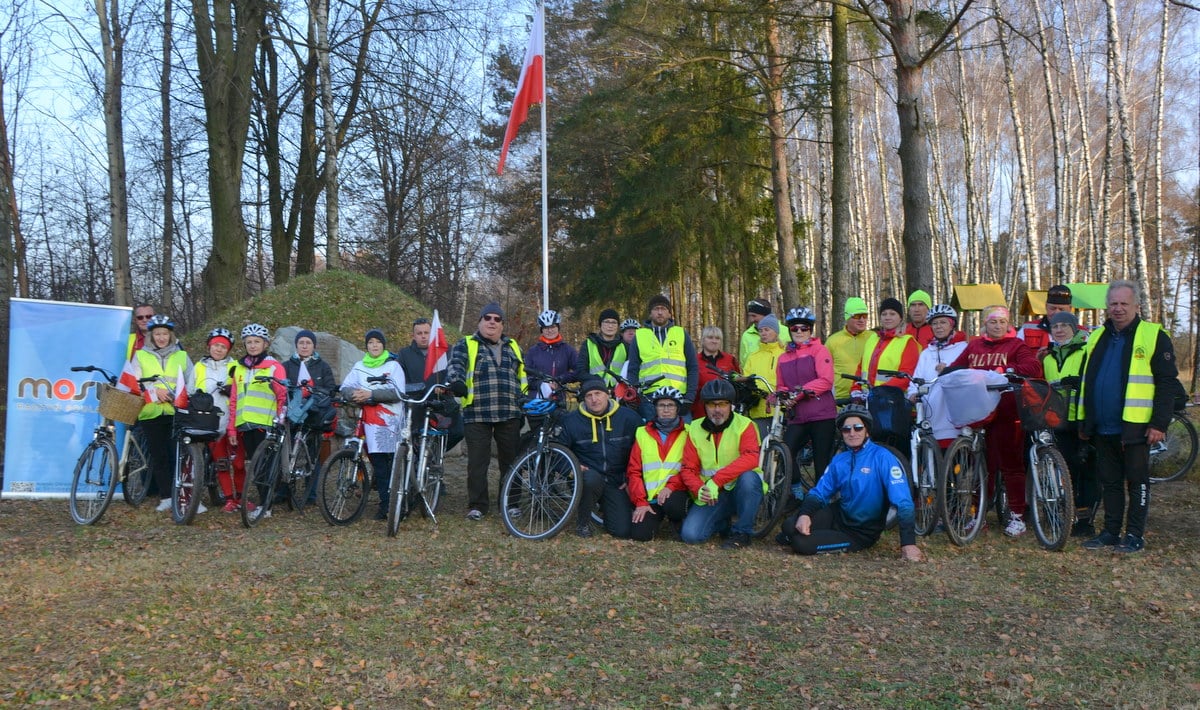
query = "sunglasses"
{"x": 493, "y": 319}
{"x": 800, "y": 328}
{"x": 145, "y": 317}
{"x": 853, "y": 427}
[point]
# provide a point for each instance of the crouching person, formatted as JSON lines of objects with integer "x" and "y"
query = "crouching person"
{"x": 600, "y": 434}
{"x": 869, "y": 480}
{"x": 720, "y": 470}
{"x": 652, "y": 478}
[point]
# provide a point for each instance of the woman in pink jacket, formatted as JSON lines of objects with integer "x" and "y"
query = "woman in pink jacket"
{"x": 805, "y": 370}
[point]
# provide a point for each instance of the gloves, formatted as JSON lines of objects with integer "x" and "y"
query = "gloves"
{"x": 858, "y": 396}
{"x": 458, "y": 389}
{"x": 1070, "y": 382}
{"x": 225, "y": 390}
{"x": 773, "y": 399}
{"x": 713, "y": 491}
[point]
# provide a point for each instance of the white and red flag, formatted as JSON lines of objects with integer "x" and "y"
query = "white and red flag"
{"x": 531, "y": 87}
{"x": 436, "y": 357}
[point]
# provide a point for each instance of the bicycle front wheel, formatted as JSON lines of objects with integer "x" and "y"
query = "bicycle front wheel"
{"x": 1050, "y": 499}
{"x": 300, "y": 475}
{"x": 928, "y": 465}
{"x": 191, "y": 460}
{"x": 433, "y": 480}
{"x": 259, "y": 488}
{"x": 1174, "y": 456}
{"x": 400, "y": 500}
{"x": 344, "y": 486}
{"x": 962, "y": 492}
{"x": 540, "y": 492}
{"x": 135, "y": 471}
{"x": 777, "y": 480}
{"x": 93, "y": 482}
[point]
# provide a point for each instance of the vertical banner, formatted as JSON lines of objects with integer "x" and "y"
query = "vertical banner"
{"x": 51, "y": 410}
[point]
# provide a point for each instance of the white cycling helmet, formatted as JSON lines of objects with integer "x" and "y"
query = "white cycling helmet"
{"x": 942, "y": 310}
{"x": 219, "y": 333}
{"x": 547, "y": 319}
{"x": 257, "y": 330}
{"x": 665, "y": 392}
{"x": 160, "y": 321}
{"x": 630, "y": 323}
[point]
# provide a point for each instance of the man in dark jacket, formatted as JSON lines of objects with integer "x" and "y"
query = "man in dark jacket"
{"x": 412, "y": 361}
{"x": 1126, "y": 400}
{"x": 600, "y": 434}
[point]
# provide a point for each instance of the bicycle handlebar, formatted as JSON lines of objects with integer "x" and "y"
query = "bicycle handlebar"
{"x": 112, "y": 379}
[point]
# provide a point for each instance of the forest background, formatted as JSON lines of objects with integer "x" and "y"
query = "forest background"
{"x": 194, "y": 154}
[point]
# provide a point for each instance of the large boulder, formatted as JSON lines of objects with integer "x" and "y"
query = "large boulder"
{"x": 340, "y": 354}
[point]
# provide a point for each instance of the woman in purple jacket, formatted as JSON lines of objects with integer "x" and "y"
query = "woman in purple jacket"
{"x": 806, "y": 371}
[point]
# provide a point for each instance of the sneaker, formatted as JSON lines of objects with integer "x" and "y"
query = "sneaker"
{"x": 736, "y": 541}
{"x": 583, "y": 528}
{"x": 1015, "y": 527}
{"x": 163, "y": 505}
{"x": 231, "y": 506}
{"x": 200, "y": 508}
{"x": 1101, "y": 541}
{"x": 1083, "y": 528}
{"x": 513, "y": 512}
{"x": 1131, "y": 543}
{"x": 782, "y": 538}
{"x": 474, "y": 515}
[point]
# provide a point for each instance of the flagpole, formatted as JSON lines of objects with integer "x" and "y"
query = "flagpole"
{"x": 545, "y": 190}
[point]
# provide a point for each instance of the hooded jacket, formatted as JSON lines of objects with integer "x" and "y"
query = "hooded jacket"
{"x": 602, "y": 442}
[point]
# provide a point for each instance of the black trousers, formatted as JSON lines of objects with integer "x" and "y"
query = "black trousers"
{"x": 675, "y": 510}
{"x": 821, "y": 434}
{"x": 1123, "y": 469}
{"x": 479, "y": 437}
{"x": 161, "y": 450}
{"x": 827, "y": 534}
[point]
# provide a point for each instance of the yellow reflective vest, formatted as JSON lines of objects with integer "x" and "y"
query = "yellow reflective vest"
{"x": 256, "y": 404}
{"x": 655, "y": 470}
{"x": 596, "y": 364}
{"x": 714, "y": 458}
{"x": 663, "y": 359}
{"x": 1139, "y": 387}
{"x": 473, "y": 354}
{"x": 149, "y": 366}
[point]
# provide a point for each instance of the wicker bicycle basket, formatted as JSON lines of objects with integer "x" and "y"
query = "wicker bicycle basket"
{"x": 120, "y": 406}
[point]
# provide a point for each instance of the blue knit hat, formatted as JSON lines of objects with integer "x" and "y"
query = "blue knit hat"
{"x": 305, "y": 333}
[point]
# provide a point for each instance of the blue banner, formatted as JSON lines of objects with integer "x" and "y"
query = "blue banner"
{"x": 52, "y": 411}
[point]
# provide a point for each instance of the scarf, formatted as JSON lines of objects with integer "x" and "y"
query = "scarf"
{"x": 666, "y": 426}
{"x": 373, "y": 361}
{"x": 606, "y": 416}
{"x": 712, "y": 428}
{"x": 551, "y": 341}
{"x": 252, "y": 361}
{"x": 164, "y": 352}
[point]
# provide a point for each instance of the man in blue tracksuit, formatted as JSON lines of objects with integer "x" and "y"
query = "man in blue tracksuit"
{"x": 869, "y": 480}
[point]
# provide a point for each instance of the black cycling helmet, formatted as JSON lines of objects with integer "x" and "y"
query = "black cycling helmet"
{"x": 854, "y": 411}
{"x": 718, "y": 389}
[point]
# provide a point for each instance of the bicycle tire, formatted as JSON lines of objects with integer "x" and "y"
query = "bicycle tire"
{"x": 434, "y": 478}
{"x": 398, "y": 501}
{"x": 1177, "y": 453}
{"x": 258, "y": 491}
{"x": 962, "y": 492}
{"x": 93, "y": 481}
{"x": 300, "y": 475}
{"x": 188, "y": 488}
{"x": 777, "y": 475}
{"x": 215, "y": 499}
{"x": 135, "y": 472}
{"x": 543, "y": 487}
{"x": 1049, "y": 497}
{"x": 924, "y": 477}
{"x": 804, "y": 467}
{"x": 344, "y": 486}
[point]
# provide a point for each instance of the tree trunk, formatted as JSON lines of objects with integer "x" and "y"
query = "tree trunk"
{"x": 168, "y": 160}
{"x": 333, "y": 259}
{"x": 1059, "y": 248}
{"x": 845, "y": 272}
{"x": 226, "y": 45}
{"x": 1025, "y": 176}
{"x": 1158, "y": 278}
{"x": 1133, "y": 208}
{"x": 781, "y": 193}
{"x": 112, "y": 41}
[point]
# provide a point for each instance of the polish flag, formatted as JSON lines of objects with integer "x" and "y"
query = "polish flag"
{"x": 181, "y": 393}
{"x": 531, "y": 87}
{"x": 436, "y": 358}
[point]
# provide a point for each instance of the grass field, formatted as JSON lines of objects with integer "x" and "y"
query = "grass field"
{"x": 138, "y": 612}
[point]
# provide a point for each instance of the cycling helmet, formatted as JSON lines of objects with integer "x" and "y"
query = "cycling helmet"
{"x": 160, "y": 321}
{"x": 538, "y": 407}
{"x": 942, "y": 310}
{"x": 547, "y": 319}
{"x": 801, "y": 314}
{"x": 259, "y": 331}
{"x": 856, "y": 411}
{"x": 718, "y": 389}
{"x": 665, "y": 392}
{"x": 629, "y": 323}
{"x": 219, "y": 333}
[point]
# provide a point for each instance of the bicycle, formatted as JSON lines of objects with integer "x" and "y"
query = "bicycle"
{"x": 962, "y": 486}
{"x": 97, "y": 470}
{"x": 924, "y": 456}
{"x": 419, "y": 481}
{"x": 195, "y": 469}
{"x": 275, "y": 460}
{"x": 347, "y": 476}
{"x": 1174, "y": 456}
{"x": 541, "y": 490}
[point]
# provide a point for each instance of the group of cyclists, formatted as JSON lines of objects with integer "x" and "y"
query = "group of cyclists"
{"x": 687, "y": 449}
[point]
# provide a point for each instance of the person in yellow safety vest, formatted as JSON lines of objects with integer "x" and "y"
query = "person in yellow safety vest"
{"x": 664, "y": 350}
{"x": 756, "y": 310}
{"x": 888, "y": 348}
{"x": 846, "y": 346}
{"x": 137, "y": 339}
{"x": 720, "y": 470}
{"x": 1126, "y": 401}
{"x": 162, "y": 357}
{"x": 212, "y": 376}
{"x": 763, "y": 362}
{"x": 1062, "y": 362}
{"x": 652, "y": 478}
{"x": 603, "y": 351}
{"x": 487, "y": 370}
{"x": 253, "y": 405}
